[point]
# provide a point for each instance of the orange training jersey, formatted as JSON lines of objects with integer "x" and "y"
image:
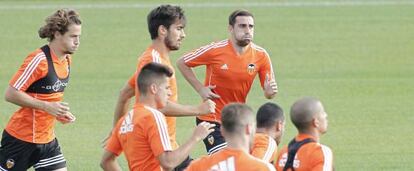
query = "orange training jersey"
{"x": 34, "y": 125}
{"x": 264, "y": 147}
{"x": 232, "y": 74}
{"x": 151, "y": 55}
{"x": 310, "y": 157}
{"x": 142, "y": 134}
{"x": 229, "y": 160}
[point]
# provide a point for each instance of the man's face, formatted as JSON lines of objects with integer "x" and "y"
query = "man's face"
{"x": 175, "y": 35}
{"x": 69, "y": 41}
{"x": 243, "y": 30}
{"x": 323, "y": 120}
{"x": 163, "y": 93}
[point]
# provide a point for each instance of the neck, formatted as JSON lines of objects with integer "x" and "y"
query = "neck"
{"x": 314, "y": 133}
{"x": 239, "y": 143}
{"x": 148, "y": 101}
{"x": 239, "y": 49}
{"x": 266, "y": 131}
{"x": 160, "y": 46}
{"x": 57, "y": 51}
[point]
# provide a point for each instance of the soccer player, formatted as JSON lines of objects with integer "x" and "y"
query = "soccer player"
{"x": 270, "y": 127}
{"x": 231, "y": 67}
{"x": 305, "y": 152}
{"x": 37, "y": 87}
{"x": 143, "y": 134}
{"x": 238, "y": 127}
{"x": 166, "y": 27}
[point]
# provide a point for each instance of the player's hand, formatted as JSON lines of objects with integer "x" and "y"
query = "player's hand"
{"x": 207, "y": 107}
{"x": 207, "y": 93}
{"x": 66, "y": 118}
{"x": 202, "y": 130}
{"x": 56, "y": 108}
{"x": 270, "y": 87}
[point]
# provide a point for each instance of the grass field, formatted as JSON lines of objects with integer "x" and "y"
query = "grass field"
{"x": 358, "y": 59}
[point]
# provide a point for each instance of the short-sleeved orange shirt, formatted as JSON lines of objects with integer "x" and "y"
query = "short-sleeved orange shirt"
{"x": 264, "y": 147}
{"x": 151, "y": 55}
{"x": 34, "y": 125}
{"x": 143, "y": 135}
{"x": 230, "y": 160}
{"x": 310, "y": 157}
{"x": 232, "y": 74}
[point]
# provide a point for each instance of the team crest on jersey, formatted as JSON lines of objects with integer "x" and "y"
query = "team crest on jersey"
{"x": 210, "y": 139}
{"x": 9, "y": 163}
{"x": 251, "y": 68}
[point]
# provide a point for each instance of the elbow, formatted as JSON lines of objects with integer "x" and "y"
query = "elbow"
{"x": 8, "y": 96}
{"x": 167, "y": 166}
{"x": 270, "y": 96}
{"x": 180, "y": 63}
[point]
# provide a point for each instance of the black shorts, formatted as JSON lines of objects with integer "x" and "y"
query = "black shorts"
{"x": 214, "y": 141}
{"x": 19, "y": 155}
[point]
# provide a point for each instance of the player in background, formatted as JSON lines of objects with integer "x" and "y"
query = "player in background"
{"x": 37, "y": 87}
{"x": 238, "y": 127}
{"x": 231, "y": 67}
{"x": 305, "y": 152}
{"x": 166, "y": 27}
{"x": 142, "y": 134}
{"x": 270, "y": 127}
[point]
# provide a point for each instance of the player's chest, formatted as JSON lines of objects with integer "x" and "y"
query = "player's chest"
{"x": 235, "y": 67}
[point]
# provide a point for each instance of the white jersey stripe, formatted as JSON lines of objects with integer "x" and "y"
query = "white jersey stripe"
{"x": 31, "y": 66}
{"x": 270, "y": 149}
{"x": 327, "y": 154}
{"x": 162, "y": 128}
{"x": 258, "y": 48}
{"x": 204, "y": 49}
{"x": 28, "y": 71}
{"x": 51, "y": 158}
{"x": 155, "y": 56}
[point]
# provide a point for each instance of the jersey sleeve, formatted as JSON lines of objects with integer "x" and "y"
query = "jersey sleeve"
{"x": 323, "y": 160}
{"x": 158, "y": 134}
{"x": 114, "y": 145}
{"x": 200, "y": 56}
{"x": 266, "y": 68}
{"x": 33, "y": 68}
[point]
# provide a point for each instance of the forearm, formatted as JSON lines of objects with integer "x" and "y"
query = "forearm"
{"x": 23, "y": 99}
{"x": 109, "y": 163}
{"x": 170, "y": 160}
{"x": 176, "y": 109}
{"x": 189, "y": 75}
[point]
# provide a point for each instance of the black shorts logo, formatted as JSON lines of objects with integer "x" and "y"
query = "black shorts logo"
{"x": 9, "y": 163}
{"x": 210, "y": 139}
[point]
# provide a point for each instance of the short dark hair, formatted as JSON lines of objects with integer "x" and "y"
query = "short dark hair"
{"x": 241, "y": 12}
{"x": 164, "y": 15}
{"x": 152, "y": 73}
{"x": 59, "y": 21}
{"x": 268, "y": 114}
{"x": 234, "y": 116}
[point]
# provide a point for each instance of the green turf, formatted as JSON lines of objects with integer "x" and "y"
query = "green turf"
{"x": 357, "y": 59}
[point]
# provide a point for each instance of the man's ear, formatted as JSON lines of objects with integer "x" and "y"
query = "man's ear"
{"x": 315, "y": 122}
{"x": 230, "y": 28}
{"x": 57, "y": 34}
{"x": 279, "y": 126}
{"x": 162, "y": 31}
{"x": 153, "y": 88}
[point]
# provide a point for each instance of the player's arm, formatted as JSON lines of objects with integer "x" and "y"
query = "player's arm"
{"x": 108, "y": 162}
{"x": 22, "y": 99}
{"x": 189, "y": 75}
{"x": 170, "y": 159}
{"x": 122, "y": 104}
{"x": 176, "y": 109}
{"x": 267, "y": 77}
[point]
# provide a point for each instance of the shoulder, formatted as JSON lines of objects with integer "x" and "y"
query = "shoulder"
{"x": 259, "y": 49}
{"x": 260, "y": 163}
